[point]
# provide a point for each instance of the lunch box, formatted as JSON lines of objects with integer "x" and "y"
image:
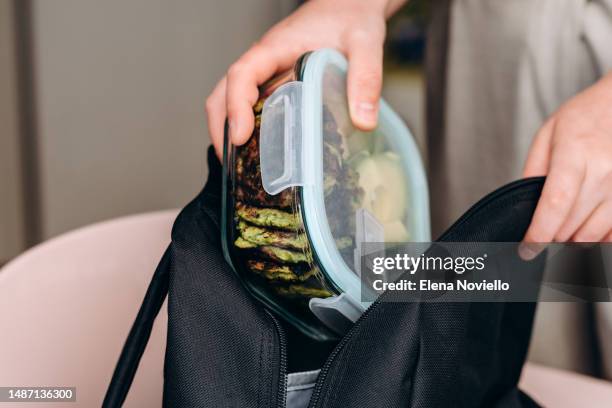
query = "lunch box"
{"x": 307, "y": 190}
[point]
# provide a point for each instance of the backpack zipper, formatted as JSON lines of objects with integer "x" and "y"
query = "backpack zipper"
{"x": 281, "y": 396}
{"x": 316, "y": 394}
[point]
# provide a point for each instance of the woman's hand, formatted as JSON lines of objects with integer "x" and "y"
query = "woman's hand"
{"x": 354, "y": 27}
{"x": 574, "y": 150}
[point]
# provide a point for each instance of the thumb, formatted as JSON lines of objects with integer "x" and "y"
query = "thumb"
{"x": 364, "y": 80}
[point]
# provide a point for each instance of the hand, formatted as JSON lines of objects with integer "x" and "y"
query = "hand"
{"x": 353, "y": 27}
{"x": 574, "y": 150}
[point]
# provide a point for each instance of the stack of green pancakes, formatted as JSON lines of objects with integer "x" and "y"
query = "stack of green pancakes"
{"x": 269, "y": 229}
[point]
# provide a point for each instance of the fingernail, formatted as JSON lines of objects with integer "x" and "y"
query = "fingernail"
{"x": 528, "y": 251}
{"x": 366, "y": 112}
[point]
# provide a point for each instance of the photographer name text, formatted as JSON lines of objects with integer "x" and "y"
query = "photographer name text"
{"x": 426, "y": 285}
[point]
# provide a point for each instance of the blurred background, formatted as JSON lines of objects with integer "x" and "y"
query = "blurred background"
{"x": 101, "y": 103}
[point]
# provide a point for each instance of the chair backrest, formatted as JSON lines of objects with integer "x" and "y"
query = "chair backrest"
{"x": 67, "y": 305}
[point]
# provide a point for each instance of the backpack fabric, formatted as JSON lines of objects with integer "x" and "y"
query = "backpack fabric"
{"x": 224, "y": 349}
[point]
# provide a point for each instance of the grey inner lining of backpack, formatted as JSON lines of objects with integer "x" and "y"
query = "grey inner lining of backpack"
{"x": 299, "y": 388}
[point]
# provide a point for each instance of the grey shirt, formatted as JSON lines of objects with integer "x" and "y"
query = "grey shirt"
{"x": 507, "y": 66}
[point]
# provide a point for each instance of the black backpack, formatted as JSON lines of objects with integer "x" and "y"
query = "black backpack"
{"x": 226, "y": 350}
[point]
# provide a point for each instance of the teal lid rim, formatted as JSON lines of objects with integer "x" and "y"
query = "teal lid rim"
{"x": 313, "y": 208}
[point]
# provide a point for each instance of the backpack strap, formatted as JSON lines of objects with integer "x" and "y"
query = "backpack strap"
{"x": 139, "y": 336}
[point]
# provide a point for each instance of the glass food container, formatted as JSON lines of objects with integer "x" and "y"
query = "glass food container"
{"x": 307, "y": 189}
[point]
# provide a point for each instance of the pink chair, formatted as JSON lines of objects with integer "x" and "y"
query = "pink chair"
{"x": 67, "y": 305}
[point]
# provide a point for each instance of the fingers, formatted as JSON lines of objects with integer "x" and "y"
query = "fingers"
{"x": 234, "y": 96}
{"x": 539, "y": 153}
{"x": 584, "y": 206}
{"x": 241, "y": 94}
{"x": 243, "y": 78}
{"x": 365, "y": 54}
{"x": 561, "y": 189}
{"x": 575, "y": 148}
{"x": 215, "y": 112}
{"x": 598, "y": 226}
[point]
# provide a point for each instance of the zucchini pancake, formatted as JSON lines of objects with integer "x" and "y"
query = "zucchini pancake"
{"x": 269, "y": 231}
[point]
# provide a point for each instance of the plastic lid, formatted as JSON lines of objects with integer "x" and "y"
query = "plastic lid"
{"x": 281, "y": 138}
{"x": 356, "y": 186}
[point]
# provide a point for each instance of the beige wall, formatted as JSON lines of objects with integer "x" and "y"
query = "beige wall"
{"x": 11, "y": 217}
{"x": 120, "y": 91}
